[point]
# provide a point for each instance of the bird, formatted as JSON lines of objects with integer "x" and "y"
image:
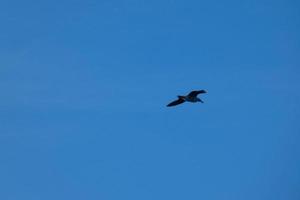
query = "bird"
{"x": 191, "y": 97}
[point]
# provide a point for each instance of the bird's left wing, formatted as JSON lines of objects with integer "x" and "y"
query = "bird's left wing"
{"x": 174, "y": 103}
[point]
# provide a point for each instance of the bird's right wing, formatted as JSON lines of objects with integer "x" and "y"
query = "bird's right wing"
{"x": 196, "y": 92}
{"x": 174, "y": 103}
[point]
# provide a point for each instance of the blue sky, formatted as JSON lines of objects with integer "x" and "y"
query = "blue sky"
{"x": 84, "y": 87}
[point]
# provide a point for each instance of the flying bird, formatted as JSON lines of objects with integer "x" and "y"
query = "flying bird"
{"x": 191, "y": 97}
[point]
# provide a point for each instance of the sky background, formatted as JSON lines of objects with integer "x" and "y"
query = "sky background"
{"x": 84, "y": 87}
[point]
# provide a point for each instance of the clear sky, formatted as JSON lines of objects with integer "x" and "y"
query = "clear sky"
{"x": 84, "y": 87}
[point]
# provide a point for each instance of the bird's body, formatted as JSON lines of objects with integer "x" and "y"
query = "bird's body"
{"x": 191, "y": 97}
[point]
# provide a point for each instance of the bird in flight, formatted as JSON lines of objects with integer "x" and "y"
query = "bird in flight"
{"x": 191, "y": 97}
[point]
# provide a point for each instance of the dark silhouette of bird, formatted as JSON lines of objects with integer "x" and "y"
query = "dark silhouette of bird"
{"x": 191, "y": 97}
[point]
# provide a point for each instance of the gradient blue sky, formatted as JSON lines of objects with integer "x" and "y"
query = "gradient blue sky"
{"x": 84, "y": 86}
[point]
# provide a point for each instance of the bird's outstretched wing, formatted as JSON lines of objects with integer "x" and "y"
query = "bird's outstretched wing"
{"x": 196, "y": 92}
{"x": 174, "y": 103}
